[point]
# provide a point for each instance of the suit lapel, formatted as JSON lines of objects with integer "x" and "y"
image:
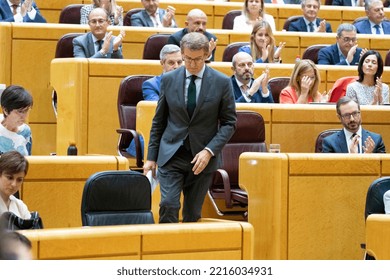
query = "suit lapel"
{"x": 342, "y": 142}
{"x": 204, "y": 89}
{"x": 303, "y": 25}
{"x": 335, "y": 53}
{"x": 90, "y": 45}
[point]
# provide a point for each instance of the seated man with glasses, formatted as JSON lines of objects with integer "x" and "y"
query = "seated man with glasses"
{"x": 98, "y": 43}
{"x": 352, "y": 138}
{"x": 345, "y": 51}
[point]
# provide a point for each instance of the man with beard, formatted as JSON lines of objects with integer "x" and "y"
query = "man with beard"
{"x": 98, "y": 43}
{"x": 352, "y": 138}
{"x": 196, "y": 22}
{"x": 247, "y": 89}
{"x": 309, "y": 22}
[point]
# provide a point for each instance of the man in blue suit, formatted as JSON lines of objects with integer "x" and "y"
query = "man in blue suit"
{"x": 351, "y": 3}
{"x": 352, "y": 138}
{"x": 170, "y": 59}
{"x": 375, "y": 22}
{"x": 195, "y": 117}
{"x": 246, "y": 89}
{"x": 345, "y": 51}
{"x": 309, "y": 22}
{"x": 98, "y": 43}
{"x": 20, "y": 11}
{"x": 153, "y": 16}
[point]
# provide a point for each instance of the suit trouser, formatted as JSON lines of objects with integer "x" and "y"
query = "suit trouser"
{"x": 176, "y": 176}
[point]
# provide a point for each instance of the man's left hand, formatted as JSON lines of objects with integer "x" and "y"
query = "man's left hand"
{"x": 200, "y": 161}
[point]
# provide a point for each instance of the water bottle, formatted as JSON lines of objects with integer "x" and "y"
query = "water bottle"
{"x": 72, "y": 149}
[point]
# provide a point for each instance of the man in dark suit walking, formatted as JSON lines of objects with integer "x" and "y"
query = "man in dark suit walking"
{"x": 352, "y": 138}
{"x": 195, "y": 117}
{"x": 309, "y": 22}
{"x": 345, "y": 51}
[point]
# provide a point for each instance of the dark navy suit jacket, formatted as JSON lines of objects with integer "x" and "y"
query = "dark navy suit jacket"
{"x": 142, "y": 18}
{"x": 300, "y": 25}
{"x": 151, "y": 88}
{"x": 336, "y": 142}
{"x": 364, "y": 27}
{"x": 175, "y": 39}
{"x": 341, "y": 3}
{"x": 330, "y": 56}
{"x": 7, "y": 15}
{"x": 286, "y": 1}
{"x": 256, "y": 98}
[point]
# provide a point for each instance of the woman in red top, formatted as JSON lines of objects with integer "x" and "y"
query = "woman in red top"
{"x": 303, "y": 87}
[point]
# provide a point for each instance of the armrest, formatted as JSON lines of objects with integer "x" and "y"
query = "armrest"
{"x": 135, "y": 136}
{"x": 226, "y": 186}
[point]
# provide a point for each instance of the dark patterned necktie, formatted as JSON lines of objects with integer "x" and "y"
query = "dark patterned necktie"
{"x": 311, "y": 27}
{"x": 191, "y": 96}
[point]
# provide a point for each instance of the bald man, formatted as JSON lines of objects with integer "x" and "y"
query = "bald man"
{"x": 196, "y": 22}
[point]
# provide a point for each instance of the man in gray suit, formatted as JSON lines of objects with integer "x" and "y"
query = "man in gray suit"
{"x": 153, "y": 16}
{"x": 98, "y": 43}
{"x": 195, "y": 117}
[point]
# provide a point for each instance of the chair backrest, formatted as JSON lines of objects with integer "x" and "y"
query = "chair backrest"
{"x": 129, "y": 94}
{"x": 290, "y": 20}
{"x": 374, "y": 198}
{"x": 228, "y": 19}
{"x": 329, "y": 2}
{"x": 231, "y": 50}
{"x": 387, "y": 59}
{"x": 64, "y": 47}
{"x": 320, "y": 138}
{"x": 127, "y": 18}
{"x": 153, "y": 46}
{"x": 116, "y": 198}
{"x": 312, "y": 52}
{"x": 248, "y": 137}
{"x": 277, "y": 84}
{"x": 71, "y": 14}
{"x": 340, "y": 87}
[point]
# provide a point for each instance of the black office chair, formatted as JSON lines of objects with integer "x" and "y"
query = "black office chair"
{"x": 127, "y": 18}
{"x": 290, "y": 20}
{"x": 116, "y": 198}
{"x": 320, "y": 138}
{"x": 277, "y": 84}
{"x": 312, "y": 52}
{"x": 231, "y": 50}
{"x": 153, "y": 46}
{"x": 387, "y": 59}
{"x": 228, "y": 19}
{"x": 71, "y": 14}
{"x": 374, "y": 202}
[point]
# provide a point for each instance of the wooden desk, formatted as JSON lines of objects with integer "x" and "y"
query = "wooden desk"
{"x": 377, "y": 236}
{"x": 308, "y": 206}
{"x": 54, "y": 185}
{"x": 207, "y": 240}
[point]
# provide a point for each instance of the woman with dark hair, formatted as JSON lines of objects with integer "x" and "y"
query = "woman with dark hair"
{"x": 252, "y": 12}
{"x": 369, "y": 89}
{"x": 13, "y": 169}
{"x": 262, "y": 44}
{"x": 114, "y": 11}
{"x": 15, "y": 134}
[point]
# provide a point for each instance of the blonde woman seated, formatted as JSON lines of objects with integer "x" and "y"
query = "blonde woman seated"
{"x": 262, "y": 44}
{"x": 303, "y": 87}
{"x": 369, "y": 89}
{"x": 114, "y": 12}
{"x": 252, "y": 12}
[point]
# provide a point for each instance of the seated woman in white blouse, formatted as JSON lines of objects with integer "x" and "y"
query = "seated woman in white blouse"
{"x": 252, "y": 12}
{"x": 369, "y": 89}
{"x": 13, "y": 169}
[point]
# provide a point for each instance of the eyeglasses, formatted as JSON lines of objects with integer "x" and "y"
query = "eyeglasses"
{"x": 347, "y": 39}
{"x": 347, "y": 116}
{"x": 96, "y": 21}
{"x": 243, "y": 64}
{"x": 195, "y": 60}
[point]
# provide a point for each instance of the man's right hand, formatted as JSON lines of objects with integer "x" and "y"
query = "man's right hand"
{"x": 351, "y": 53}
{"x": 150, "y": 165}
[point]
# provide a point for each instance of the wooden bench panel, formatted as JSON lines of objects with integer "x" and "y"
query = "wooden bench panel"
{"x": 54, "y": 185}
{"x": 377, "y": 236}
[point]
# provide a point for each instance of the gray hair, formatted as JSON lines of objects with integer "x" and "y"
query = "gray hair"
{"x": 345, "y": 27}
{"x": 168, "y": 49}
{"x": 195, "y": 41}
{"x": 368, "y": 3}
{"x": 303, "y": 3}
